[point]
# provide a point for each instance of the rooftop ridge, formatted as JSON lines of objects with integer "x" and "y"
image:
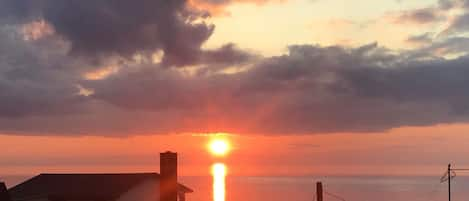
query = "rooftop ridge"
{"x": 98, "y": 173}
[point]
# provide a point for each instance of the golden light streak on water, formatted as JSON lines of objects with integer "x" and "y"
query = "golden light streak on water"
{"x": 219, "y": 174}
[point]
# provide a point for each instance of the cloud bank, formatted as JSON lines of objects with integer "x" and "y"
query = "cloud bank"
{"x": 124, "y": 68}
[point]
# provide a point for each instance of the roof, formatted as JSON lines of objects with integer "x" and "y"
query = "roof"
{"x": 81, "y": 186}
{"x": 4, "y": 196}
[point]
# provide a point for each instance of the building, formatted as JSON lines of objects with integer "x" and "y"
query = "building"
{"x": 4, "y": 195}
{"x": 102, "y": 187}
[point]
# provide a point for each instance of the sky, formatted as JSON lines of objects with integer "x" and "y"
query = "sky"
{"x": 299, "y": 87}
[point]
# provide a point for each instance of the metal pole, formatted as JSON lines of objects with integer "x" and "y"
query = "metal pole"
{"x": 449, "y": 182}
{"x": 319, "y": 191}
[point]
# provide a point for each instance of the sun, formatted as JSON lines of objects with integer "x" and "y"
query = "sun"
{"x": 219, "y": 147}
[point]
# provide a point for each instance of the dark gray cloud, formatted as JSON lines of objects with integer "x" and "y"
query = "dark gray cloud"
{"x": 422, "y": 39}
{"x": 459, "y": 25}
{"x": 448, "y": 4}
{"x": 311, "y": 89}
{"x": 40, "y": 79}
{"x": 448, "y": 39}
{"x": 450, "y": 46}
{"x": 120, "y": 27}
{"x": 35, "y": 79}
{"x": 420, "y": 16}
{"x": 432, "y": 14}
{"x": 228, "y": 54}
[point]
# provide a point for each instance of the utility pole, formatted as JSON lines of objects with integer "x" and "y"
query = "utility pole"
{"x": 449, "y": 182}
{"x": 319, "y": 191}
{"x": 451, "y": 173}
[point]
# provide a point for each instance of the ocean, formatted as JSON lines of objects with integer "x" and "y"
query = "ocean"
{"x": 337, "y": 188}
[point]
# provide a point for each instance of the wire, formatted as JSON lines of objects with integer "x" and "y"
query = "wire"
{"x": 334, "y": 196}
{"x": 437, "y": 187}
{"x": 446, "y": 177}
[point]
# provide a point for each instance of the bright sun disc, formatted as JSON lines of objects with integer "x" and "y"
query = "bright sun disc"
{"x": 219, "y": 147}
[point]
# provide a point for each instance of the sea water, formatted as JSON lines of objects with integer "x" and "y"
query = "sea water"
{"x": 349, "y": 188}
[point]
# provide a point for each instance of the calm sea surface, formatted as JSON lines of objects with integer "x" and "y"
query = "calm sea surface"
{"x": 303, "y": 188}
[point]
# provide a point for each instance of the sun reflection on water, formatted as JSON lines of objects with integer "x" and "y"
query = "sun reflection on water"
{"x": 219, "y": 174}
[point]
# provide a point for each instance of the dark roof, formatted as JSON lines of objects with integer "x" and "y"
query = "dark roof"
{"x": 99, "y": 186}
{"x": 4, "y": 196}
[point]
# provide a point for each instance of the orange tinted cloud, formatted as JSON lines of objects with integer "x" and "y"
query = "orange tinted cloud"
{"x": 218, "y": 7}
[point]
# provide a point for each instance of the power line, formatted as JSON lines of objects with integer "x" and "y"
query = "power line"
{"x": 334, "y": 196}
{"x": 450, "y": 173}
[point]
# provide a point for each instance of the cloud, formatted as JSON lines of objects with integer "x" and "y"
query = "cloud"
{"x": 51, "y": 84}
{"x": 98, "y": 30}
{"x": 451, "y": 46}
{"x": 440, "y": 12}
{"x": 218, "y": 7}
{"x": 422, "y": 39}
{"x": 35, "y": 79}
{"x": 226, "y": 56}
{"x": 419, "y": 16}
{"x": 459, "y": 25}
{"x": 120, "y": 27}
{"x": 312, "y": 89}
{"x": 453, "y": 15}
{"x": 447, "y": 4}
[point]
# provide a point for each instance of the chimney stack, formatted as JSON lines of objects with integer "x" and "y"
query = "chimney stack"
{"x": 4, "y": 196}
{"x": 168, "y": 176}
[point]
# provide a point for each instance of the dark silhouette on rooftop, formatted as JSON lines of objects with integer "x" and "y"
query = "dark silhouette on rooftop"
{"x": 168, "y": 181}
{"x": 95, "y": 187}
{"x": 4, "y": 195}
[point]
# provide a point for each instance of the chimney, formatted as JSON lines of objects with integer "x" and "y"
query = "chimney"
{"x": 4, "y": 196}
{"x": 168, "y": 176}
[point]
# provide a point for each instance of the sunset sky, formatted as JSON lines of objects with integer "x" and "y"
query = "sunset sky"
{"x": 299, "y": 87}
